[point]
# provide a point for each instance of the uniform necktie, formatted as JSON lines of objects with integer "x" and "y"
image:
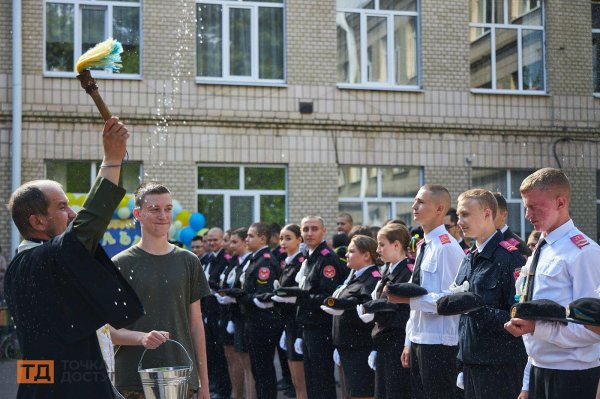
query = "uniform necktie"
{"x": 416, "y": 276}
{"x": 531, "y": 273}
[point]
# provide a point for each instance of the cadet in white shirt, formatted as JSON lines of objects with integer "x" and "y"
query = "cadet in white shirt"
{"x": 432, "y": 340}
{"x": 564, "y": 267}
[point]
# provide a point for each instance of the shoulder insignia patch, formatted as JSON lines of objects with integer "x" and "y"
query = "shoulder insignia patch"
{"x": 267, "y": 255}
{"x": 329, "y": 271}
{"x": 227, "y": 256}
{"x": 376, "y": 274}
{"x": 444, "y": 239}
{"x": 508, "y": 246}
{"x": 324, "y": 252}
{"x": 580, "y": 241}
{"x": 513, "y": 241}
{"x": 264, "y": 273}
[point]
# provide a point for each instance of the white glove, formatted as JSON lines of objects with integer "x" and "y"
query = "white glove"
{"x": 460, "y": 381}
{"x": 331, "y": 311}
{"x": 298, "y": 346}
{"x": 262, "y": 305}
{"x": 455, "y": 289}
{"x": 282, "y": 344}
{"x": 365, "y": 317}
{"x": 225, "y": 300}
{"x": 230, "y": 327}
{"x": 336, "y": 358}
{"x": 281, "y": 299}
{"x": 371, "y": 359}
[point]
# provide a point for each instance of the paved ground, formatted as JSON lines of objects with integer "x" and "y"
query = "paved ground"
{"x": 8, "y": 379}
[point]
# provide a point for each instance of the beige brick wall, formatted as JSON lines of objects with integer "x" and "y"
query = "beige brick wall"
{"x": 583, "y": 212}
{"x": 5, "y": 34}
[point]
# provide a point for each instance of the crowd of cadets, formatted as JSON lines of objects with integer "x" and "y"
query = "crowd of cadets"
{"x": 323, "y": 305}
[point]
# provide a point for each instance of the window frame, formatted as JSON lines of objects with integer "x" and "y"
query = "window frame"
{"x": 379, "y": 198}
{"x": 77, "y": 37}
{"x": 254, "y": 79}
{"x": 391, "y": 67}
{"x": 519, "y": 28}
{"x": 241, "y": 191}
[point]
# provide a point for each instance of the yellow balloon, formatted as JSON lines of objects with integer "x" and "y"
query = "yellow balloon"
{"x": 71, "y": 198}
{"x": 184, "y": 217}
{"x": 202, "y": 231}
{"x": 80, "y": 199}
{"x": 124, "y": 201}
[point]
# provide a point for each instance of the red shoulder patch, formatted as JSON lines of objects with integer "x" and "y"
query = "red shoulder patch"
{"x": 376, "y": 274}
{"x": 264, "y": 273}
{"x": 267, "y": 255}
{"x": 580, "y": 241}
{"x": 329, "y": 271}
{"x": 325, "y": 251}
{"x": 227, "y": 256}
{"x": 444, "y": 239}
{"x": 513, "y": 241}
{"x": 508, "y": 246}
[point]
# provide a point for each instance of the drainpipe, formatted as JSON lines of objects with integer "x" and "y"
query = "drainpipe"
{"x": 16, "y": 110}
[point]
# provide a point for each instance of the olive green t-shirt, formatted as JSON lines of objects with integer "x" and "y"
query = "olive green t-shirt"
{"x": 166, "y": 285}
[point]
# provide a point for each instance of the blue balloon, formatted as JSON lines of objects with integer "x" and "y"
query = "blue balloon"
{"x": 186, "y": 235}
{"x": 131, "y": 204}
{"x": 197, "y": 221}
{"x": 176, "y": 208}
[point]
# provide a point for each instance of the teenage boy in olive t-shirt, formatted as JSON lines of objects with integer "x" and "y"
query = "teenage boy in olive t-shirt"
{"x": 170, "y": 283}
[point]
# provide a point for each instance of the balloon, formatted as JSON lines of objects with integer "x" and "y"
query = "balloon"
{"x": 184, "y": 217}
{"x": 131, "y": 204}
{"x": 123, "y": 202}
{"x": 116, "y": 214}
{"x": 124, "y": 213}
{"x": 172, "y": 231}
{"x": 197, "y": 221}
{"x": 178, "y": 225}
{"x": 176, "y": 208}
{"x": 186, "y": 235}
{"x": 71, "y": 198}
{"x": 203, "y": 231}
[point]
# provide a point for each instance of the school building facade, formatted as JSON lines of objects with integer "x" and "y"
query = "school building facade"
{"x": 275, "y": 109}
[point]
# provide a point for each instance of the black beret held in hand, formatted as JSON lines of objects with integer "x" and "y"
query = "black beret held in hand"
{"x": 340, "y": 303}
{"x": 379, "y": 305}
{"x": 232, "y": 292}
{"x": 584, "y": 311}
{"x": 459, "y": 303}
{"x": 290, "y": 292}
{"x": 407, "y": 290}
{"x": 539, "y": 309}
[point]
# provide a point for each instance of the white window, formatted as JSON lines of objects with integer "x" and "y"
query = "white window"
{"x": 71, "y": 27}
{"x": 237, "y": 196}
{"x": 507, "y": 182}
{"x": 373, "y": 195}
{"x": 377, "y": 44}
{"x": 240, "y": 42}
{"x": 596, "y": 44}
{"x": 77, "y": 177}
{"x": 507, "y": 46}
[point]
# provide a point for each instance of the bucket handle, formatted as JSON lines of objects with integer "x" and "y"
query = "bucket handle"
{"x": 171, "y": 340}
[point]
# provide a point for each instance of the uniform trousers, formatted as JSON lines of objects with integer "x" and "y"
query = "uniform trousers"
{"x": 563, "y": 384}
{"x": 218, "y": 373}
{"x": 261, "y": 347}
{"x": 392, "y": 381}
{"x": 433, "y": 371}
{"x": 318, "y": 362}
{"x": 498, "y": 381}
{"x": 359, "y": 378}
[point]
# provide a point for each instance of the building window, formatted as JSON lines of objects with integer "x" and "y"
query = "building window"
{"x": 77, "y": 177}
{"x": 507, "y": 46}
{"x": 507, "y": 182}
{"x": 596, "y": 44}
{"x": 240, "y": 41}
{"x": 377, "y": 44}
{"x": 237, "y": 196}
{"x": 373, "y": 195}
{"x": 72, "y": 27}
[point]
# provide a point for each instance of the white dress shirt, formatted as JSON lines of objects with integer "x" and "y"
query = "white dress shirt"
{"x": 441, "y": 260}
{"x": 568, "y": 269}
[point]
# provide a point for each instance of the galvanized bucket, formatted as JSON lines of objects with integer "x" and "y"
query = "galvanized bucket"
{"x": 166, "y": 382}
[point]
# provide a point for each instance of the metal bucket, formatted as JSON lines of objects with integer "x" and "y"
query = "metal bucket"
{"x": 166, "y": 382}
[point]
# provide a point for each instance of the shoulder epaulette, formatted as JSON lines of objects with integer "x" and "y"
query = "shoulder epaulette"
{"x": 580, "y": 241}
{"x": 444, "y": 239}
{"x": 376, "y": 274}
{"x": 508, "y": 246}
{"x": 227, "y": 256}
{"x": 513, "y": 241}
{"x": 467, "y": 250}
{"x": 325, "y": 252}
{"x": 267, "y": 255}
{"x": 301, "y": 259}
{"x": 410, "y": 266}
